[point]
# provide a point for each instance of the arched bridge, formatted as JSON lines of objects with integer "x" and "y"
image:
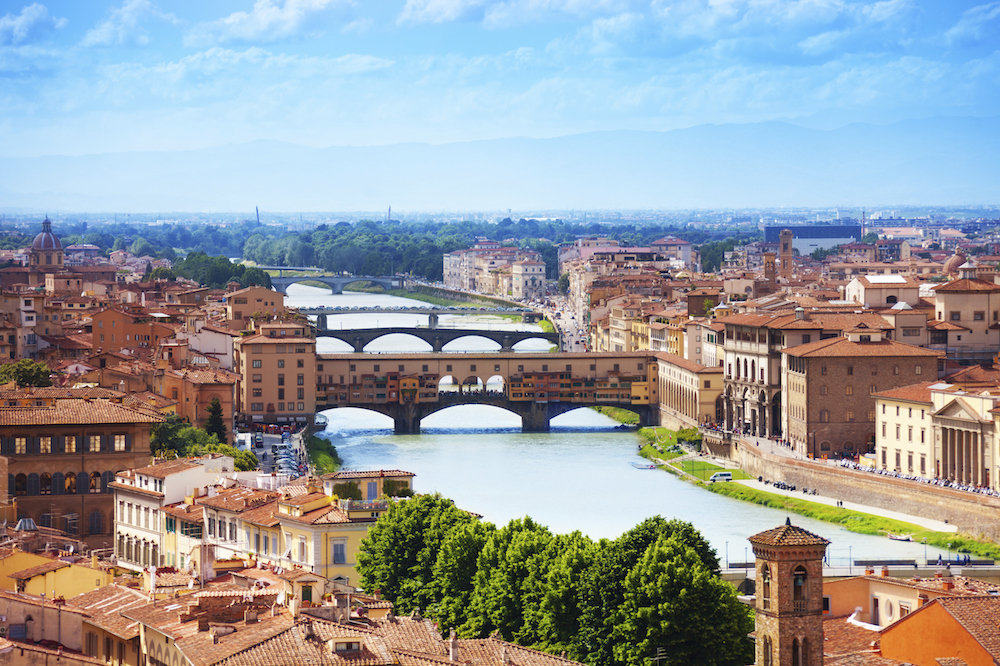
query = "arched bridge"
{"x": 338, "y": 282}
{"x": 437, "y": 338}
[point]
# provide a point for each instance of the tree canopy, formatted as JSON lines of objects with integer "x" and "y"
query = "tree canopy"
{"x": 176, "y": 439}
{"x": 607, "y": 603}
{"x": 26, "y": 373}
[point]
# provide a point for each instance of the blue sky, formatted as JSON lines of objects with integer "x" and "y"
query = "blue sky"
{"x": 84, "y": 76}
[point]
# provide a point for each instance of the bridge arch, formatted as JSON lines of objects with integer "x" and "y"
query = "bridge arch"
{"x": 461, "y": 343}
{"x": 393, "y": 341}
{"x": 500, "y": 419}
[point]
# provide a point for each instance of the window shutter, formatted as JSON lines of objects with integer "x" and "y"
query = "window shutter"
{"x": 128, "y": 442}
{"x": 58, "y": 484}
{"x": 105, "y": 443}
{"x": 10, "y": 483}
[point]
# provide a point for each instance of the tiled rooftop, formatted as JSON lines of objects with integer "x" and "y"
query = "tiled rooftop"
{"x": 104, "y": 605}
{"x": 788, "y": 535}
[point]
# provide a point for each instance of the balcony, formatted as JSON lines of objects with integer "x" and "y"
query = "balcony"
{"x": 799, "y": 605}
{"x": 364, "y": 505}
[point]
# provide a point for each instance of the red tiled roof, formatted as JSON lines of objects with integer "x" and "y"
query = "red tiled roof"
{"x": 788, "y": 535}
{"x": 912, "y": 393}
{"x": 31, "y": 572}
{"x": 842, "y": 347}
{"x": 104, "y": 605}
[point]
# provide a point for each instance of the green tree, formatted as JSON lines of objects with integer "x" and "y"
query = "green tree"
{"x": 396, "y": 488}
{"x": 347, "y": 490}
{"x": 26, "y": 373}
{"x": 602, "y": 592}
{"x": 455, "y": 571}
{"x": 214, "y": 424}
{"x": 673, "y": 602}
{"x": 563, "y": 284}
{"x": 501, "y": 587}
{"x": 243, "y": 461}
{"x": 399, "y": 553}
{"x": 162, "y": 273}
{"x": 869, "y": 238}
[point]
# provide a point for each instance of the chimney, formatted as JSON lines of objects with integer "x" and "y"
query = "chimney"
{"x": 800, "y": 313}
{"x": 505, "y": 656}
{"x": 203, "y": 623}
{"x": 452, "y": 647}
{"x": 250, "y": 616}
{"x": 947, "y": 584}
{"x": 306, "y": 628}
{"x": 869, "y": 571}
{"x": 938, "y": 574}
{"x": 921, "y": 599}
{"x": 377, "y": 593}
{"x": 885, "y": 572}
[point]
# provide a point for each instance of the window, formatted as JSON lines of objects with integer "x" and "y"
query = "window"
{"x": 873, "y": 389}
{"x": 848, "y": 390}
{"x": 69, "y": 444}
{"x": 95, "y": 444}
{"x": 806, "y": 338}
{"x": 895, "y": 369}
{"x": 281, "y": 380}
{"x": 281, "y": 362}
{"x": 300, "y": 379}
{"x": 909, "y": 435}
{"x": 211, "y": 526}
{"x": 822, "y": 390}
{"x": 824, "y": 416}
{"x": 45, "y": 445}
{"x": 119, "y": 442}
{"x": 301, "y": 364}
{"x": 256, "y": 363}
{"x": 918, "y": 370}
{"x": 257, "y": 379}
{"x": 232, "y": 530}
{"x": 257, "y": 393}
{"x": 20, "y": 445}
{"x": 955, "y": 316}
{"x": 339, "y": 552}
{"x": 883, "y": 428}
{"x": 822, "y": 370}
{"x": 850, "y": 369}
{"x": 871, "y": 416}
{"x": 897, "y": 431}
{"x": 302, "y": 549}
{"x": 850, "y": 415}
{"x": 979, "y": 316}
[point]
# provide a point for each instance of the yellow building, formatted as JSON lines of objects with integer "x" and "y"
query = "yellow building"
{"x": 904, "y": 436}
{"x": 106, "y": 634}
{"x": 57, "y": 578}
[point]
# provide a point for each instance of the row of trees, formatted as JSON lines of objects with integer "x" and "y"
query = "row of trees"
{"x": 177, "y": 439}
{"x": 605, "y": 602}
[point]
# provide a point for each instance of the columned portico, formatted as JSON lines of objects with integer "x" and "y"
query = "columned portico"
{"x": 963, "y": 456}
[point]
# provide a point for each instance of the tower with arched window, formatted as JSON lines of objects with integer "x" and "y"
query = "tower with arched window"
{"x": 789, "y": 608}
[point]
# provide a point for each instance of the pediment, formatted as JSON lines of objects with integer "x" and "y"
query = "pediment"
{"x": 957, "y": 408}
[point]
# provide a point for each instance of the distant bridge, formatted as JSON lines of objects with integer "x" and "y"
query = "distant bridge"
{"x": 321, "y": 314}
{"x": 437, "y": 338}
{"x": 337, "y": 282}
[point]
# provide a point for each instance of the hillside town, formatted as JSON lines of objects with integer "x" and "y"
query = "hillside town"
{"x": 871, "y": 371}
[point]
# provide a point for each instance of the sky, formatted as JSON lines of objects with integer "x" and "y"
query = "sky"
{"x": 82, "y": 77}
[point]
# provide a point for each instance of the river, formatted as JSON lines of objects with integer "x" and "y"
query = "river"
{"x": 577, "y": 477}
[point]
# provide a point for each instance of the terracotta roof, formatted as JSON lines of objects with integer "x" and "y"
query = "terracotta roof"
{"x": 38, "y": 570}
{"x": 162, "y": 470}
{"x": 913, "y": 393}
{"x": 685, "y": 364}
{"x": 937, "y": 325}
{"x": 75, "y": 412}
{"x": 788, "y": 535}
{"x": 238, "y": 499}
{"x": 960, "y": 586}
{"x": 308, "y": 643}
{"x": 303, "y": 499}
{"x": 980, "y": 616}
{"x": 353, "y": 474}
{"x": 842, "y": 347}
{"x": 104, "y": 605}
{"x": 115, "y": 485}
{"x": 265, "y": 515}
{"x": 326, "y": 515}
{"x": 842, "y": 638}
{"x": 967, "y": 286}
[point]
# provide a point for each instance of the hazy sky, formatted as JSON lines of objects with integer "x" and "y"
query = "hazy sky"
{"x": 85, "y": 76}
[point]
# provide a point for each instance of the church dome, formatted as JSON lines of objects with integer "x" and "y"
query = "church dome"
{"x": 46, "y": 240}
{"x": 953, "y": 263}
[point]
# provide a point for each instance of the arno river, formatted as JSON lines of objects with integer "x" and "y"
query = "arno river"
{"x": 577, "y": 477}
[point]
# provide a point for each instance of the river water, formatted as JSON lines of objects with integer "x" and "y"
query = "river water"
{"x": 577, "y": 477}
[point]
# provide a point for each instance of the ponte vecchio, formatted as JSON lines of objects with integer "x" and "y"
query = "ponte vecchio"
{"x": 537, "y": 387}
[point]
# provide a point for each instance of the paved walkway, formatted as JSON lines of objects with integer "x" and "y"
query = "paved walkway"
{"x": 928, "y": 523}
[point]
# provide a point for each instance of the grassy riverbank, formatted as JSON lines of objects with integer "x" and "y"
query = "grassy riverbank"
{"x": 618, "y": 414}
{"x": 857, "y": 521}
{"x": 323, "y": 455}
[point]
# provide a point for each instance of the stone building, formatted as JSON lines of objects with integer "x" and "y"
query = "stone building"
{"x": 829, "y": 388}
{"x": 64, "y": 447}
{"x": 789, "y": 597}
{"x": 278, "y": 367}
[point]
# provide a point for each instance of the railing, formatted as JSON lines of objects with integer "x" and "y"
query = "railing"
{"x": 799, "y": 605}
{"x": 364, "y": 505}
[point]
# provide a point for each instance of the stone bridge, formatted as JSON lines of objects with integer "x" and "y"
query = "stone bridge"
{"x": 337, "y": 282}
{"x": 537, "y": 387}
{"x": 436, "y": 337}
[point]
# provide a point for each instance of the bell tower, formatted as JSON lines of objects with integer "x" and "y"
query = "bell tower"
{"x": 785, "y": 253}
{"x": 789, "y": 606}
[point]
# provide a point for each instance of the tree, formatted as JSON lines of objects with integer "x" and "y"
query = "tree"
{"x": 347, "y": 490}
{"x": 399, "y": 553}
{"x": 26, "y": 373}
{"x": 673, "y": 602}
{"x": 563, "y": 284}
{"x": 870, "y": 238}
{"x": 396, "y": 488}
{"x": 602, "y": 591}
{"x": 455, "y": 572}
{"x": 176, "y": 439}
{"x": 214, "y": 424}
{"x": 243, "y": 461}
{"x": 162, "y": 273}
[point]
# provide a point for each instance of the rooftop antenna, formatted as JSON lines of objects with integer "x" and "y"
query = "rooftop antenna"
{"x": 257, "y": 208}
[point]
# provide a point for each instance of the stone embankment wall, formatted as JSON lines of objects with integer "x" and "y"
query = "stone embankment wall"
{"x": 977, "y": 515}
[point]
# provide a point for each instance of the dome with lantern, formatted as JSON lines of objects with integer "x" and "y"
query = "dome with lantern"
{"x": 46, "y": 240}
{"x": 953, "y": 263}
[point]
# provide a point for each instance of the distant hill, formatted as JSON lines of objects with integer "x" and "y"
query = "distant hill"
{"x": 930, "y": 161}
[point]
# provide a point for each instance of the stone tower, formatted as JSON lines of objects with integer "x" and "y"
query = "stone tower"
{"x": 770, "y": 272}
{"x": 785, "y": 253}
{"x": 789, "y": 610}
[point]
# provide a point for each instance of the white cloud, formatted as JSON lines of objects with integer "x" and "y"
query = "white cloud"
{"x": 358, "y": 26}
{"x": 975, "y": 26}
{"x": 30, "y": 25}
{"x": 269, "y": 20}
{"x": 440, "y": 11}
{"x": 124, "y": 25}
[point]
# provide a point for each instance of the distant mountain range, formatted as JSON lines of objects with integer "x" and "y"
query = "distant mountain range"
{"x": 929, "y": 161}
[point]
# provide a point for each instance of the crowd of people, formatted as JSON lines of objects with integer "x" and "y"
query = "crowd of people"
{"x": 944, "y": 483}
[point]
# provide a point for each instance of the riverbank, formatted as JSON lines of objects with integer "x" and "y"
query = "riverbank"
{"x": 859, "y": 518}
{"x": 323, "y": 455}
{"x": 617, "y": 413}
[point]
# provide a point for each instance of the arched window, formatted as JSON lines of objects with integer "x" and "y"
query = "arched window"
{"x": 765, "y": 579}
{"x": 824, "y": 416}
{"x": 45, "y": 483}
{"x": 96, "y": 525}
{"x": 891, "y": 300}
{"x": 33, "y": 484}
{"x": 70, "y": 484}
{"x": 58, "y": 484}
{"x": 20, "y": 485}
{"x": 95, "y": 482}
{"x": 799, "y": 591}
{"x": 768, "y": 652}
{"x": 121, "y": 547}
{"x": 45, "y": 520}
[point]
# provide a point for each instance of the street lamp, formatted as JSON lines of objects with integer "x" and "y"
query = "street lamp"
{"x": 727, "y": 554}
{"x": 850, "y": 560}
{"x": 925, "y": 551}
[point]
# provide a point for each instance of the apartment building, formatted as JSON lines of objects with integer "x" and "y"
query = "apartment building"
{"x": 114, "y": 328}
{"x": 254, "y": 301}
{"x": 278, "y": 365}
